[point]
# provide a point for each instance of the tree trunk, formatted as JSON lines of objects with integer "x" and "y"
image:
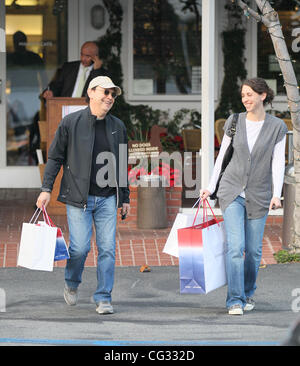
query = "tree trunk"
{"x": 270, "y": 19}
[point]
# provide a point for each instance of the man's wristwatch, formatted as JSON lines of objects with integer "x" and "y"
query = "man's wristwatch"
{"x": 46, "y": 190}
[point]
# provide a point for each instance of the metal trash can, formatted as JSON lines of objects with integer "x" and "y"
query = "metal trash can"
{"x": 288, "y": 206}
{"x": 151, "y": 209}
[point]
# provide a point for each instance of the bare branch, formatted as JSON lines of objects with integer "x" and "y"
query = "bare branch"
{"x": 248, "y": 10}
{"x": 264, "y": 6}
{"x": 269, "y": 14}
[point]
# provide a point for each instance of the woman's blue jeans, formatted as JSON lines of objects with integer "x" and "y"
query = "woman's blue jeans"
{"x": 243, "y": 252}
{"x": 101, "y": 211}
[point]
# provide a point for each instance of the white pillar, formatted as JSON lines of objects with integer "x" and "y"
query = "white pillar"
{"x": 208, "y": 81}
{"x": 2, "y": 86}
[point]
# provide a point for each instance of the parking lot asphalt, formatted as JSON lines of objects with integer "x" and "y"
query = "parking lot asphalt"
{"x": 149, "y": 310}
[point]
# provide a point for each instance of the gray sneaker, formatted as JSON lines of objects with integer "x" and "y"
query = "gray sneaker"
{"x": 70, "y": 295}
{"x": 235, "y": 309}
{"x": 250, "y": 304}
{"x": 104, "y": 307}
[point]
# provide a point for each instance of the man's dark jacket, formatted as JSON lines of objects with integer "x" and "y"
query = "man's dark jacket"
{"x": 72, "y": 148}
{"x": 65, "y": 79}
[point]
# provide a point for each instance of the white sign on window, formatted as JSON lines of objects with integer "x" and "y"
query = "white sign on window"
{"x": 143, "y": 86}
{"x": 272, "y": 83}
{"x": 273, "y": 63}
{"x": 2, "y": 40}
{"x": 196, "y": 79}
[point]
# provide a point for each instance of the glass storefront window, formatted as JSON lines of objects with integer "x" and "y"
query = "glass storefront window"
{"x": 267, "y": 63}
{"x": 167, "y": 47}
{"x": 36, "y": 43}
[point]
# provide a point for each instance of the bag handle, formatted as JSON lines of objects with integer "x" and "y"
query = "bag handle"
{"x": 205, "y": 215}
{"x": 46, "y": 217}
{"x": 35, "y": 216}
{"x": 198, "y": 200}
{"x": 212, "y": 212}
{"x": 204, "y": 211}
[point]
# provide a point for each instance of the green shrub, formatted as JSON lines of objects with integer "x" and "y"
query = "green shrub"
{"x": 284, "y": 256}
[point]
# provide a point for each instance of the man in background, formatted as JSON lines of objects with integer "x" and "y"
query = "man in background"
{"x": 26, "y": 78}
{"x": 74, "y": 77}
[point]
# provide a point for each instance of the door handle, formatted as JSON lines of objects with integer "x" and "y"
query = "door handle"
{"x": 0, "y": 91}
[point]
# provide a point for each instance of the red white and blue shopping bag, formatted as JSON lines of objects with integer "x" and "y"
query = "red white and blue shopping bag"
{"x": 61, "y": 249}
{"x": 202, "y": 255}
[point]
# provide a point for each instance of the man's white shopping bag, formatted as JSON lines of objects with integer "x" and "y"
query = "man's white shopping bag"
{"x": 182, "y": 220}
{"x": 37, "y": 246}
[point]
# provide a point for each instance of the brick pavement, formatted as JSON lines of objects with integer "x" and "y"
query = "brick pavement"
{"x": 134, "y": 247}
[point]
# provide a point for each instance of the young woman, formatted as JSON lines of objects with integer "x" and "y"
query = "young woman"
{"x": 250, "y": 187}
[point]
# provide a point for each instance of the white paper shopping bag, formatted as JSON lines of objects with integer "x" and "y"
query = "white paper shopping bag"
{"x": 37, "y": 246}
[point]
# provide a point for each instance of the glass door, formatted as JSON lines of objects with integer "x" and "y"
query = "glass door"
{"x": 33, "y": 44}
{"x": 36, "y": 44}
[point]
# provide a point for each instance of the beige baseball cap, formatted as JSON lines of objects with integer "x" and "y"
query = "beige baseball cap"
{"x": 105, "y": 82}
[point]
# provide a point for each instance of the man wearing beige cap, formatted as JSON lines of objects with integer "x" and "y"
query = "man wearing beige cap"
{"x": 91, "y": 144}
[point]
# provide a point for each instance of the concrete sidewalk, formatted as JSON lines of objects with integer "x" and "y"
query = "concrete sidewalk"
{"x": 149, "y": 310}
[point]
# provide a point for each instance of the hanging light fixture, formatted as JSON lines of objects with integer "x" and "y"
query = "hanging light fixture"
{"x": 58, "y": 7}
{"x": 15, "y": 5}
{"x": 97, "y": 16}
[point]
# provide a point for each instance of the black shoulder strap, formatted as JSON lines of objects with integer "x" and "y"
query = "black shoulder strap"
{"x": 233, "y": 124}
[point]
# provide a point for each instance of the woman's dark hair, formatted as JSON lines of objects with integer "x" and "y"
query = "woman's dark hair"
{"x": 260, "y": 86}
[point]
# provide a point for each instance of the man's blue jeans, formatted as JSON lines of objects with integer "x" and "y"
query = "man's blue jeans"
{"x": 243, "y": 253}
{"x": 101, "y": 211}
